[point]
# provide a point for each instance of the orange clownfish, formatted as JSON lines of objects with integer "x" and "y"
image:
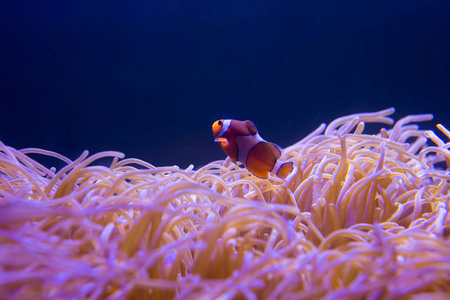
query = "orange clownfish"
{"x": 241, "y": 142}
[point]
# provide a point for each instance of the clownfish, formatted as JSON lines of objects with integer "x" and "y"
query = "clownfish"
{"x": 241, "y": 142}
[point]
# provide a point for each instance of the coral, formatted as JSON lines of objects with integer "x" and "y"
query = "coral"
{"x": 361, "y": 216}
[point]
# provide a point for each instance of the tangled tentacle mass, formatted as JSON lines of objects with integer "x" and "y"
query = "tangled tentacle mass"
{"x": 363, "y": 216}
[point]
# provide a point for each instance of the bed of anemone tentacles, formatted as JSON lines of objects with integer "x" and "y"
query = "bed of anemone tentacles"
{"x": 363, "y": 216}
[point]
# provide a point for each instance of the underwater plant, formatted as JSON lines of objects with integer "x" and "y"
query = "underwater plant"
{"x": 362, "y": 216}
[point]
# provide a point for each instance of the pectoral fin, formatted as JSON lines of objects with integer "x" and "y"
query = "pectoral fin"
{"x": 223, "y": 142}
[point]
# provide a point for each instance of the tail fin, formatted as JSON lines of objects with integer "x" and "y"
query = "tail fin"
{"x": 285, "y": 169}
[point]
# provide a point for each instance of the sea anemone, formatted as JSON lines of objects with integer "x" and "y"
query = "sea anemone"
{"x": 361, "y": 217}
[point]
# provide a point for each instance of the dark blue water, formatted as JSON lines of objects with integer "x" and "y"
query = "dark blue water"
{"x": 148, "y": 78}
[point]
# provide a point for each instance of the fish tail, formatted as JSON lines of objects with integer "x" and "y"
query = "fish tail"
{"x": 285, "y": 169}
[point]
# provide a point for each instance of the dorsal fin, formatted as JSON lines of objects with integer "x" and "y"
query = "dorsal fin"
{"x": 276, "y": 150}
{"x": 251, "y": 127}
{"x": 262, "y": 158}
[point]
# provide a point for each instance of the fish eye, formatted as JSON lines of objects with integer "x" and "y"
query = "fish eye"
{"x": 217, "y": 127}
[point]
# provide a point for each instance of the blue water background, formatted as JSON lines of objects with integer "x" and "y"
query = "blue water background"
{"x": 148, "y": 78}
